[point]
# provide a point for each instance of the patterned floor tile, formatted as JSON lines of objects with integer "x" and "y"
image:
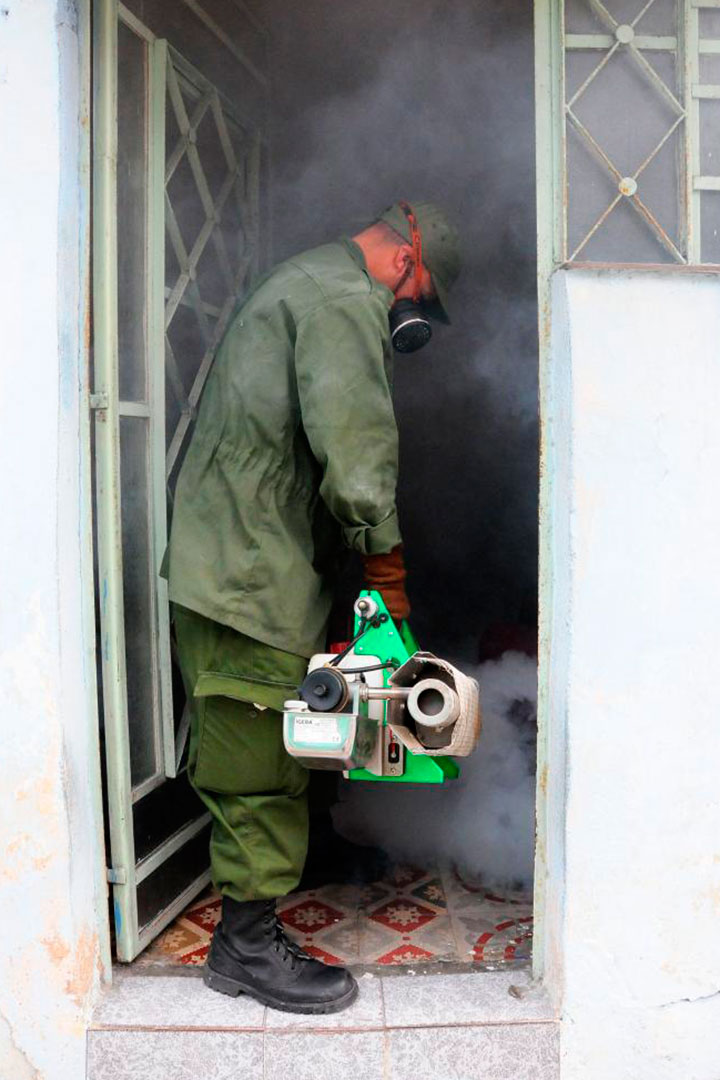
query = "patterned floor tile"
{"x": 204, "y": 915}
{"x": 324, "y": 922}
{"x": 187, "y": 939}
{"x": 438, "y": 938}
{"x": 431, "y": 892}
{"x": 327, "y": 958}
{"x": 490, "y": 929}
{"x": 402, "y": 915}
{"x": 377, "y": 941}
{"x": 414, "y": 915}
{"x": 373, "y": 894}
{"x": 343, "y": 941}
{"x": 403, "y": 877}
{"x": 310, "y": 916}
{"x": 410, "y": 924}
{"x": 407, "y": 953}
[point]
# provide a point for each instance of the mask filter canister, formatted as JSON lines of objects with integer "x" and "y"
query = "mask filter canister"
{"x": 410, "y": 327}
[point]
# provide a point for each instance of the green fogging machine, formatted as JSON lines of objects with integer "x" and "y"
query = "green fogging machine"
{"x": 380, "y": 709}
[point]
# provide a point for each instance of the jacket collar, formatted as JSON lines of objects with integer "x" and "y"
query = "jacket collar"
{"x": 356, "y": 254}
{"x": 354, "y": 251}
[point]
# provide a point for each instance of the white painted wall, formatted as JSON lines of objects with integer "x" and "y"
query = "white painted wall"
{"x": 631, "y": 838}
{"x": 634, "y": 429}
{"x": 52, "y": 897}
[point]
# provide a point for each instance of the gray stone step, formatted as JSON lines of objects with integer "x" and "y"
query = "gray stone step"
{"x": 476, "y": 1026}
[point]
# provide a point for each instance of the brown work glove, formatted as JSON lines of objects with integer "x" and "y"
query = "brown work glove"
{"x": 387, "y": 574}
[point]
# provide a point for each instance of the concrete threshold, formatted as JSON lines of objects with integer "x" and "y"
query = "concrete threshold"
{"x": 470, "y": 1026}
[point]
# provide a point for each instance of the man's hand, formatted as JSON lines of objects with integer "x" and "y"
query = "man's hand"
{"x": 387, "y": 574}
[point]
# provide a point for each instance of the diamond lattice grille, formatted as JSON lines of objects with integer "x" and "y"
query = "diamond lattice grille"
{"x": 624, "y": 41}
{"x": 211, "y": 222}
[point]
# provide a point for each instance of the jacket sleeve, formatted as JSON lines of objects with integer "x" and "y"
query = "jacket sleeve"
{"x": 348, "y": 417}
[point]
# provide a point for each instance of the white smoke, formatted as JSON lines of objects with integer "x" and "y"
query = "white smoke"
{"x": 484, "y": 822}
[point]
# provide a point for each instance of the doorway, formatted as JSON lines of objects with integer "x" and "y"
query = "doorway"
{"x": 244, "y": 134}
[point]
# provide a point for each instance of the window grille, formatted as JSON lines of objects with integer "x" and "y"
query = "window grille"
{"x": 212, "y": 251}
{"x": 631, "y": 142}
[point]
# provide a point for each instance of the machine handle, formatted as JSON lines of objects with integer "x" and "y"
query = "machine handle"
{"x": 408, "y": 638}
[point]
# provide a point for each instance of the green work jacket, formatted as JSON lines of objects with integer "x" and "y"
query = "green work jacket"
{"x": 295, "y": 451}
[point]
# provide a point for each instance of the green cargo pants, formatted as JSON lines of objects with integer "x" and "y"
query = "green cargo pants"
{"x": 256, "y": 793}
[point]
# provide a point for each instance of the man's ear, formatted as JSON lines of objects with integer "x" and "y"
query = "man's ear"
{"x": 403, "y": 258}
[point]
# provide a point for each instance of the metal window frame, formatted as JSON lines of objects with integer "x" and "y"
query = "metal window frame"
{"x": 164, "y": 66}
{"x": 106, "y": 385}
{"x": 109, "y": 409}
{"x": 240, "y": 55}
{"x": 155, "y": 410}
{"x": 107, "y": 457}
{"x": 554, "y": 113}
{"x": 125, "y": 874}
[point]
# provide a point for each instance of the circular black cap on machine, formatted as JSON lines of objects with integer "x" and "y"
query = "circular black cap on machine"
{"x": 324, "y": 689}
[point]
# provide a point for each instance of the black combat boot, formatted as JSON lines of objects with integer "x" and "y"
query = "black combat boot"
{"x": 250, "y": 954}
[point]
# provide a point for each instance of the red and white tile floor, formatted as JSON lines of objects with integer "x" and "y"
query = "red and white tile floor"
{"x": 413, "y": 917}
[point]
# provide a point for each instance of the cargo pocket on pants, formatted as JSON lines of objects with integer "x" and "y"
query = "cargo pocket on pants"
{"x": 240, "y": 749}
{"x": 221, "y": 763}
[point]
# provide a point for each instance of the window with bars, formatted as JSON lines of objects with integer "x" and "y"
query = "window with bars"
{"x": 633, "y": 154}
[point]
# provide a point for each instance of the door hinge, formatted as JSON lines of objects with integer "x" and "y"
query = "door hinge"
{"x": 99, "y": 401}
{"x": 117, "y": 875}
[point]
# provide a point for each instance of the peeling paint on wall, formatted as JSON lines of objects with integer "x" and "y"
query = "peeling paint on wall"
{"x": 14, "y": 1063}
{"x": 52, "y": 897}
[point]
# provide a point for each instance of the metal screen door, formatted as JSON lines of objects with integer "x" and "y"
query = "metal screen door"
{"x": 177, "y": 177}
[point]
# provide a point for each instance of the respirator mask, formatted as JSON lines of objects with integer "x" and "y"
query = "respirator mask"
{"x": 410, "y": 327}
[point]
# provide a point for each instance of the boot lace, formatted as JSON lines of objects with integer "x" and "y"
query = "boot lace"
{"x": 290, "y": 953}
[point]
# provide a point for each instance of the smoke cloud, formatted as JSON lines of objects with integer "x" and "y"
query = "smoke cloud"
{"x": 422, "y": 99}
{"x": 483, "y": 823}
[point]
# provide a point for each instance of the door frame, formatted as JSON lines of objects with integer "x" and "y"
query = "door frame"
{"x": 548, "y": 902}
{"x": 549, "y": 850}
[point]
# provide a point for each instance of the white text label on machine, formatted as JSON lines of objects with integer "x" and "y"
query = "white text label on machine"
{"x": 318, "y": 729}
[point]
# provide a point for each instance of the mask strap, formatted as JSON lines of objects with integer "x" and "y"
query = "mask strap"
{"x": 416, "y": 241}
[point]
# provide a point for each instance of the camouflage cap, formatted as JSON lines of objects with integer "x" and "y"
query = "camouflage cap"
{"x": 440, "y": 248}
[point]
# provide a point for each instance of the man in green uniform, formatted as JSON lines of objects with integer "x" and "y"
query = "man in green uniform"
{"x": 293, "y": 456}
